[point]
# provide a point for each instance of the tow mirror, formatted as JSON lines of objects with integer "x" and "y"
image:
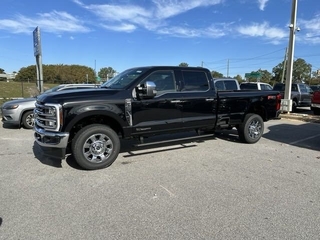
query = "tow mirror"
{"x": 147, "y": 90}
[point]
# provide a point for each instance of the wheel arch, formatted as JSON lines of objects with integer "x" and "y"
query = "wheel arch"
{"x": 95, "y": 117}
{"x": 258, "y": 108}
{"x": 22, "y": 113}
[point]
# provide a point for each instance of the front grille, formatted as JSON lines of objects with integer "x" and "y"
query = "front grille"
{"x": 47, "y": 116}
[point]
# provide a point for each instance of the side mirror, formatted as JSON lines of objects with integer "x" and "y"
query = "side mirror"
{"x": 147, "y": 90}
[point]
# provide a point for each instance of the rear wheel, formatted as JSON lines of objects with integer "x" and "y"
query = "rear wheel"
{"x": 95, "y": 146}
{"x": 28, "y": 120}
{"x": 251, "y": 130}
{"x": 316, "y": 111}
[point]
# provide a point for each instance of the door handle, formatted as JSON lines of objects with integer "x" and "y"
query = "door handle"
{"x": 209, "y": 99}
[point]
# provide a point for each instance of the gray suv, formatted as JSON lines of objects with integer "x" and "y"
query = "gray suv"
{"x": 20, "y": 112}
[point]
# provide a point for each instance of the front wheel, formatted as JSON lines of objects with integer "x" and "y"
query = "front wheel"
{"x": 96, "y": 146}
{"x": 251, "y": 130}
{"x": 28, "y": 120}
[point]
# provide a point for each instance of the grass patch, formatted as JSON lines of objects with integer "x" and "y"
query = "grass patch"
{"x": 12, "y": 89}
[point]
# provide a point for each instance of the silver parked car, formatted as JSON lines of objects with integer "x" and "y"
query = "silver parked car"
{"x": 20, "y": 111}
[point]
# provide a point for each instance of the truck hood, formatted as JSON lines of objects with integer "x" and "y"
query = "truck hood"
{"x": 80, "y": 95}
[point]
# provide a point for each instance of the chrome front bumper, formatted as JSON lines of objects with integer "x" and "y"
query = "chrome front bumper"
{"x": 51, "y": 139}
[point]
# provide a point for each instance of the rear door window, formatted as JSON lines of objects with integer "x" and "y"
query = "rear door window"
{"x": 249, "y": 86}
{"x": 195, "y": 81}
{"x": 231, "y": 85}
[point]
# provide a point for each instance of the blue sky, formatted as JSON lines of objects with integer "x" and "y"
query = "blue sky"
{"x": 228, "y": 36}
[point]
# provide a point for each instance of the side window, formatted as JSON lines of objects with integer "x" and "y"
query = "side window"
{"x": 265, "y": 87}
{"x": 219, "y": 85}
{"x": 195, "y": 81}
{"x": 294, "y": 87}
{"x": 303, "y": 88}
{"x": 231, "y": 85}
{"x": 268, "y": 87}
{"x": 164, "y": 81}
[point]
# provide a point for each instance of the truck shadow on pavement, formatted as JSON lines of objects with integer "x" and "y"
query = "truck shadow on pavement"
{"x": 10, "y": 126}
{"x": 54, "y": 162}
{"x": 306, "y": 135}
{"x": 130, "y": 150}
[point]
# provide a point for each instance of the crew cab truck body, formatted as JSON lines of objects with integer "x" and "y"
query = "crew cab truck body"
{"x": 142, "y": 102}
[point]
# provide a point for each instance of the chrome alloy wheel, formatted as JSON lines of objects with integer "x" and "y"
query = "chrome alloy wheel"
{"x": 30, "y": 120}
{"x": 97, "y": 148}
{"x": 255, "y": 129}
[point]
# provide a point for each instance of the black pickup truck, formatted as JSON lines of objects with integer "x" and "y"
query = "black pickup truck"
{"x": 142, "y": 102}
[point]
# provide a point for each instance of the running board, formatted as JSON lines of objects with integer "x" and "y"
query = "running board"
{"x": 172, "y": 140}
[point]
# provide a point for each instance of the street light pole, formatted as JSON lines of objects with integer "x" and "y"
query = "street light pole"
{"x": 287, "y": 101}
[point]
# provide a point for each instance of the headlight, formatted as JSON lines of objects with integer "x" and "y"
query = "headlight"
{"x": 11, "y": 107}
{"x": 52, "y": 111}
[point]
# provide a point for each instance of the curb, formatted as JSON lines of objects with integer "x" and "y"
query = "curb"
{"x": 301, "y": 117}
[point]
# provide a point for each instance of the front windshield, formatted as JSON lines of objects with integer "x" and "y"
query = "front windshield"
{"x": 124, "y": 79}
{"x": 53, "y": 89}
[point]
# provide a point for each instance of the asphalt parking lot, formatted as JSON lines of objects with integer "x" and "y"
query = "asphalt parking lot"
{"x": 216, "y": 188}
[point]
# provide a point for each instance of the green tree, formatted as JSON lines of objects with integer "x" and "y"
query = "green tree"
{"x": 106, "y": 73}
{"x": 58, "y": 74}
{"x": 27, "y": 74}
{"x": 216, "y": 74}
{"x": 278, "y": 72}
{"x": 183, "y": 64}
{"x": 266, "y": 76}
{"x": 300, "y": 72}
{"x": 239, "y": 78}
{"x": 2, "y": 78}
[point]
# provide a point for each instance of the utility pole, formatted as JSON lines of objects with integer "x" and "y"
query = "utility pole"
{"x": 284, "y": 65}
{"x": 286, "y": 103}
{"x": 228, "y": 68}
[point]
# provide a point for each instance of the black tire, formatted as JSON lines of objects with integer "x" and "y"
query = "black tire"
{"x": 294, "y": 106}
{"x": 95, "y": 146}
{"x": 251, "y": 130}
{"x": 28, "y": 120}
{"x": 316, "y": 111}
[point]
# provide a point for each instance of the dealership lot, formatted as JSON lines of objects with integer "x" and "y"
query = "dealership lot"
{"x": 215, "y": 188}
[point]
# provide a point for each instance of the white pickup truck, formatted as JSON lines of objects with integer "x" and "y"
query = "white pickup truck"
{"x": 255, "y": 86}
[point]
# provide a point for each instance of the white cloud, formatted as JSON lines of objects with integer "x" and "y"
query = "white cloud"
{"x": 263, "y": 30}
{"x": 151, "y": 17}
{"x": 168, "y": 8}
{"x": 211, "y": 32}
{"x": 55, "y": 22}
{"x": 262, "y": 4}
{"x": 120, "y": 28}
{"x": 310, "y": 29}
